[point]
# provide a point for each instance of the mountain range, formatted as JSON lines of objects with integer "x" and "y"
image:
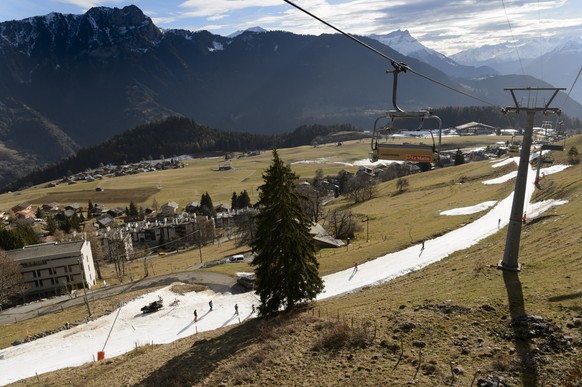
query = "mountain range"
{"x": 558, "y": 61}
{"x": 71, "y": 81}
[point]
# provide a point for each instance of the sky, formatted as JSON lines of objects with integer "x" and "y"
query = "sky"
{"x": 448, "y": 26}
{"x": 124, "y": 329}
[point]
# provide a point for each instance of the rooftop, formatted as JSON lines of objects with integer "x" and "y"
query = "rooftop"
{"x": 45, "y": 250}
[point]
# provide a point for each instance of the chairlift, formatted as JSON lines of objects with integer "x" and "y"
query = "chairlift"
{"x": 404, "y": 152}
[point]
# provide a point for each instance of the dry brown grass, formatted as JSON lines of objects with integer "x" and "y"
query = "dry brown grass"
{"x": 200, "y": 176}
{"x": 452, "y": 323}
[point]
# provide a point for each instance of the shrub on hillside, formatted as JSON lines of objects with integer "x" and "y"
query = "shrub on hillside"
{"x": 339, "y": 335}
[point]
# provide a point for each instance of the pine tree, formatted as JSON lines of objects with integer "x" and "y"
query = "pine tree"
{"x": 132, "y": 210}
{"x": 90, "y": 209}
{"x": 244, "y": 200}
{"x": 51, "y": 225}
{"x": 206, "y": 205}
{"x": 286, "y": 267}
{"x": 459, "y": 157}
{"x": 234, "y": 201}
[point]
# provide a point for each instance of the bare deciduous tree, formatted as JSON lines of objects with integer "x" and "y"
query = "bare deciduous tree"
{"x": 11, "y": 281}
{"x": 401, "y": 184}
{"x": 361, "y": 188}
{"x": 117, "y": 257}
{"x": 246, "y": 227}
{"x": 312, "y": 203}
{"x": 341, "y": 224}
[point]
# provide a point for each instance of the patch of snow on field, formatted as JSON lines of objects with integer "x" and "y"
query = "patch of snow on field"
{"x": 503, "y": 162}
{"x": 322, "y": 160}
{"x": 469, "y": 210}
{"x": 536, "y": 209}
{"x": 502, "y": 179}
{"x": 368, "y": 163}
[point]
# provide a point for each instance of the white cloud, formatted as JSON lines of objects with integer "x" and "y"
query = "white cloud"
{"x": 447, "y": 26}
{"x": 205, "y": 8}
{"x": 86, "y": 4}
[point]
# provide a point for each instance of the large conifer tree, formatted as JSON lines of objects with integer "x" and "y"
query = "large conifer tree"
{"x": 286, "y": 266}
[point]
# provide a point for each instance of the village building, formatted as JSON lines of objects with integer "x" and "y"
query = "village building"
{"x": 23, "y": 210}
{"x": 24, "y": 206}
{"x": 52, "y": 269}
{"x": 75, "y": 207}
{"x": 475, "y": 129}
{"x": 98, "y": 210}
{"x": 118, "y": 245}
{"x": 50, "y": 208}
{"x": 104, "y": 222}
{"x": 183, "y": 228}
{"x": 192, "y": 207}
{"x": 115, "y": 212}
{"x": 321, "y": 237}
{"x": 169, "y": 208}
{"x": 224, "y": 220}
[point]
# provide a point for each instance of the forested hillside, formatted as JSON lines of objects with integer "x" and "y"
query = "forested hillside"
{"x": 170, "y": 137}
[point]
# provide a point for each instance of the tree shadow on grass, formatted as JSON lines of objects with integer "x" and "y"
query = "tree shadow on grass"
{"x": 205, "y": 355}
{"x": 520, "y": 325}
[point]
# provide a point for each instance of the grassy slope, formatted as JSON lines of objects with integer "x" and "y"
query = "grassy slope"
{"x": 200, "y": 175}
{"x": 459, "y": 310}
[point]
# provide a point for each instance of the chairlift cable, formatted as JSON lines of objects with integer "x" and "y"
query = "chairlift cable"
{"x": 397, "y": 65}
{"x": 540, "y": 36}
{"x": 571, "y": 87}
{"x": 513, "y": 37}
{"x": 449, "y": 87}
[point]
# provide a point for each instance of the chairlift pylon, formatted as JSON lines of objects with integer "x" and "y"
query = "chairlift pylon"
{"x": 404, "y": 152}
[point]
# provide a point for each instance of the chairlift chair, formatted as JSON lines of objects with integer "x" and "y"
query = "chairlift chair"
{"x": 405, "y": 152}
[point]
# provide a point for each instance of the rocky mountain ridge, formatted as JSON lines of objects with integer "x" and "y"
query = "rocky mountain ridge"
{"x": 71, "y": 81}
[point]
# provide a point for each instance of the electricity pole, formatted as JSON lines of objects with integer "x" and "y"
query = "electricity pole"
{"x": 367, "y": 220}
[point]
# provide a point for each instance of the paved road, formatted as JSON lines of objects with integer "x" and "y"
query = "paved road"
{"x": 220, "y": 283}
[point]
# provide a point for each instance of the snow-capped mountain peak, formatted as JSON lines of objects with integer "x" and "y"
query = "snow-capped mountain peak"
{"x": 401, "y": 41}
{"x": 512, "y": 51}
{"x": 406, "y": 44}
{"x": 251, "y": 29}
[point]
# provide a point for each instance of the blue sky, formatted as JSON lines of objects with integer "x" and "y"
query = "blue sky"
{"x": 447, "y": 26}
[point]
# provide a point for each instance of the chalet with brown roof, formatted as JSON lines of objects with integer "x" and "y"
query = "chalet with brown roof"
{"x": 98, "y": 210}
{"x": 23, "y": 210}
{"x": 24, "y": 206}
{"x": 115, "y": 212}
{"x": 50, "y": 208}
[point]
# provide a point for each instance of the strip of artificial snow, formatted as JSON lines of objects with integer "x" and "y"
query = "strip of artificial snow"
{"x": 502, "y": 179}
{"x": 504, "y": 162}
{"x": 396, "y": 264}
{"x": 469, "y": 210}
{"x": 80, "y": 344}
